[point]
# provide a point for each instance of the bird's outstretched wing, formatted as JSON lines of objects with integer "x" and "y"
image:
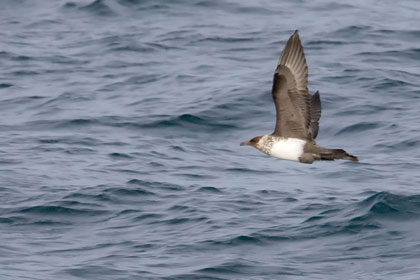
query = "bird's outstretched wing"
{"x": 290, "y": 93}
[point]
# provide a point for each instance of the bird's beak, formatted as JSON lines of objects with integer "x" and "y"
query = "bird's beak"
{"x": 246, "y": 143}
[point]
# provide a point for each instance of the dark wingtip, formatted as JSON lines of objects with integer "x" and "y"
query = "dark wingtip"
{"x": 316, "y": 93}
{"x": 295, "y": 34}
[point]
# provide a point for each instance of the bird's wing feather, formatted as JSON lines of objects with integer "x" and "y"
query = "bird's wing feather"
{"x": 315, "y": 113}
{"x": 290, "y": 93}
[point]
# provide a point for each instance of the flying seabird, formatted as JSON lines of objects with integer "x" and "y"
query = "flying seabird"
{"x": 298, "y": 112}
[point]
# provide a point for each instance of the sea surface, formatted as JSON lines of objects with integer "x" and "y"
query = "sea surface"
{"x": 120, "y": 124}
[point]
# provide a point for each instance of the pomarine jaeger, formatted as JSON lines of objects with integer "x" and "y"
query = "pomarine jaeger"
{"x": 298, "y": 112}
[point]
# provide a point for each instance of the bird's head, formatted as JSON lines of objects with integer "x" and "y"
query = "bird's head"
{"x": 253, "y": 142}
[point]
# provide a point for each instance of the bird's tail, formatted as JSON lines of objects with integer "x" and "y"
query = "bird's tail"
{"x": 332, "y": 154}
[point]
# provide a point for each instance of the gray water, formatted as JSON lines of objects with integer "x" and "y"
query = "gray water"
{"x": 120, "y": 129}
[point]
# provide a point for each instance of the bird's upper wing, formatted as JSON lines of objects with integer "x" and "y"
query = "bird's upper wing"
{"x": 290, "y": 92}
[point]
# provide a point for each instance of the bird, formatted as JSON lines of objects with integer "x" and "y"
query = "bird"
{"x": 298, "y": 113}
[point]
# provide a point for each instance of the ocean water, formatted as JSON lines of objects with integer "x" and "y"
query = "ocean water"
{"x": 120, "y": 129}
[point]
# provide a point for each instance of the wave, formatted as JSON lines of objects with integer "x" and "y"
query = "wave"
{"x": 388, "y": 205}
{"x": 55, "y": 210}
{"x": 358, "y": 127}
{"x": 367, "y": 214}
{"x": 371, "y": 213}
{"x": 181, "y": 123}
{"x": 98, "y": 7}
{"x": 393, "y": 55}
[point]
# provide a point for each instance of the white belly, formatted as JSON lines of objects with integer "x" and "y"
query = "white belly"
{"x": 290, "y": 148}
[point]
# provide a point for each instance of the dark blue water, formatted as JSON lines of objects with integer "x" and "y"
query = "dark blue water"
{"x": 120, "y": 129}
